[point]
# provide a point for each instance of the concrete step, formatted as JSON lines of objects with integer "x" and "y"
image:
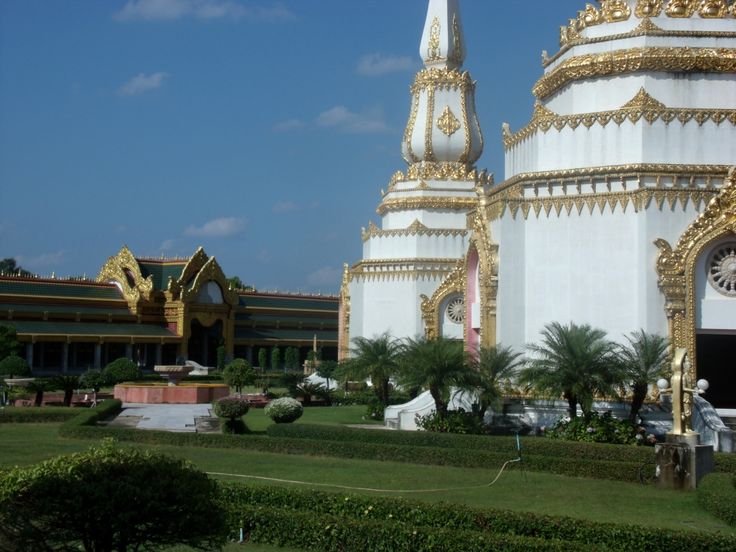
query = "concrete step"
{"x": 730, "y": 421}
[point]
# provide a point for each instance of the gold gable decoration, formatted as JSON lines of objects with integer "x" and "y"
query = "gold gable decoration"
{"x": 453, "y": 283}
{"x": 488, "y": 260}
{"x": 676, "y": 267}
{"x": 209, "y": 271}
{"x": 124, "y": 270}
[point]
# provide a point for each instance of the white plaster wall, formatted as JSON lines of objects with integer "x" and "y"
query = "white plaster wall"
{"x": 713, "y": 310}
{"x": 439, "y": 218}
{"x": 417, "y": 246}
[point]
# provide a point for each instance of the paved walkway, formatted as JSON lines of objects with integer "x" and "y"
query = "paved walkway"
{"x": 167, "y": 417}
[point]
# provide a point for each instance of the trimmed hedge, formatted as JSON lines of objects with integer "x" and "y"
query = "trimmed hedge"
{"x": 308, "y": 531}
{"x": 89, "y": 417}
{"x": 46, "y": 414}
{"x": 380, "y": 520}
{"x": 717, "y": 495}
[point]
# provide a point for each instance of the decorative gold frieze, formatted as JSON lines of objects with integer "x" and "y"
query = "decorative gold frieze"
{"x": 430, "y": 307}
{"x": 648, "y": 8}
{"x": 589, "y": 17}
{"x": 442, "y": 78}
{"x": 614, "y": 11}
{"x": 426, "y": 202}
{"x": 446, "y": 171}
{"x": 416, "y": 228}
{"x": 676, "y": 267}
{"x": 433, "y": 48}
{"x": 401, "y": 269}
{"x": 711, "y": 9}
{"x": 457, "y": 40}
{"x": 681, "y": 8}
{"x": 641, "y": 106}
{"x": 409, "y": 155}
{"x": 617, "y": 62}
{"x": 343, "y": 338}
{"x": 447, "y": 122}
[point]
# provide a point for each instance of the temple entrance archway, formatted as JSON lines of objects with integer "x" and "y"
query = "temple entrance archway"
{"x": 203, "y": 342}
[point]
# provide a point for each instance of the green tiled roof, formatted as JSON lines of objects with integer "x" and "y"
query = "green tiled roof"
{"x": 91, "y": 329}
{"x": 70, "y": 309}
{"x": 87, "y": 290}
{"x": 288, "y": 302}
{"x": 161, "y": 272}
{"x": 284, "y": 335}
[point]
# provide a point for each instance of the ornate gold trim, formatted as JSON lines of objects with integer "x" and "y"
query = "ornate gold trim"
{"x": 713, "y": 9}
{"x": 122, "y": 267}
{"x": 429, "y": 126}
{"x": 427, "y": 202}
{"x": 441, "y": 171}
{"x": 614, "y": 11}
{"x": 409, "y": 131}
{"x": 648, "y": 8}
{"x": 488, "y": 261}
{"x": 416, "y": 228}
{"x": 681, "y": 8}
{"x": 715, "y": 60}
{"x": 453, "y": 283}
{"x": 676, "y": 267}
{"x": 645, "y": 28}
{"x": 433, "y": 47}
{"x": 210, "y": 271}
{"x": 447, "y": 122}
{"x": 642, "y": 106}
{"x": 343, "y": 330}
{"x": 442, "y": 78}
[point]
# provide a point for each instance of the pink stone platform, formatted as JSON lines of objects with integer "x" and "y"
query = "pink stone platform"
{"x": 196, "y": 393}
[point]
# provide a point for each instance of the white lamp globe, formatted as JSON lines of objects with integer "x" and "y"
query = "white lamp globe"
{"x": 662, "y": 384}
{"x": 703, "y": 384}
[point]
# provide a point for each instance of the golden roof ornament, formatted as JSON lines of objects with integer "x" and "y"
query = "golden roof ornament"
{"x": 442, "y": 42}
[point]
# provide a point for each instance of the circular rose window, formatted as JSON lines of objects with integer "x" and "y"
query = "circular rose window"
{"x": 456, "y": 310}
{"x": 722, "y": 269}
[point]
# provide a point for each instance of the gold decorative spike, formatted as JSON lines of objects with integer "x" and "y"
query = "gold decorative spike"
{"x": 615, "y": 10}
{"x": 712, "y": 9}
{"x": 457, "y": 40}
{"x": 648, "y": 8}
{"x": 591, "y": 16}
{"x": 447, "y": 122}
{"x": 433, "y": 50}
{"x": 681, "y": 8}
{"x": 124, "y": 270}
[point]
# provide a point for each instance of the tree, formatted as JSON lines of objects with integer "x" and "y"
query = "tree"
{"x": 9, "y": 343}
{"x": 106, "y": 499}
{"x": 39, "y": 386}
{"x": 437, "y": 365}
{"x": 232, "y": 409}
{"x": 235, "y": 282}
{"x": 642, "y": 361}
{"x": 575, "y": 362}
{"x": 9, "y": 266}
{"x": 68, "y": 384}
{"x": 221, "y": 358}
{"x": 327, "y": 369}
{"x": 275, "y": 358}
{"x": 120, "y": 370}
{"x": 94, "y": 380}
{"x": 492, "y": 366}
{"x": 238, "y": 374}
{"x": 262, "y": 359}
{"x": 14, "y": 366}
{"x": 291, "y": 358}
{"x": 377, "y": 359}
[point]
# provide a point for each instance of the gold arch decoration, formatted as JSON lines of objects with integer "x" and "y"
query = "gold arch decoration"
{"x": 343, "y": 338}
{"x": 210, "y": 271}
{"x": 452, "y": 284}
{"x": 676, "y": 267}
{"x": 481, "y": 242}
{"x": 119, "y": 268}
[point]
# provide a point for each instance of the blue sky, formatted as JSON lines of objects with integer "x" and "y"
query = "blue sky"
{"x": 260, "y": 130}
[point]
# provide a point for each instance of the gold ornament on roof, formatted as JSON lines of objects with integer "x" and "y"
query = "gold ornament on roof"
{"x": 457, "y": 40}
{"x": 711, "y": 9}
{"x": 615, "y": 10}
{"x": 447, "y": 122}
{"x": 681, "y": 8}
{"x": 433, "y": 50}
{"x": 648, "y": 8}
{"x": 590, "y": 16}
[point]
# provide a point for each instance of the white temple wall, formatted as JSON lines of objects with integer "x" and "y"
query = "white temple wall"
{"x": 398, "y": 220}
{"x": 417, "y": 246}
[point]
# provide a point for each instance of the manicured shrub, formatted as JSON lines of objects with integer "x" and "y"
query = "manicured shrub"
{"x": 109, "y": 498}
{"x": 14, "y": 366}
{"x": 717, "y": 494}
{"x": 120, "y": 370}
{"x": 284, "y": 410}
{"x": 456, "y": 421}
{"x": 92, "y": 379}
{"x": 47, "y": 414}
{"x": 232, "y": 409}
{"x": 238, "y": 374}
{"x": 596, "y": 428}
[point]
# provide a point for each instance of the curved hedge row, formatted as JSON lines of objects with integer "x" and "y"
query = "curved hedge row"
{"x": 717, "y": 495}
{"x": 47, "y": 414}
{"x": 381, "y": 521}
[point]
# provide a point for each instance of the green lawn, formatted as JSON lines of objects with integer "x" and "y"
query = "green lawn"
{"x": 516, "y": 490}
{"x": 257, "y": 421}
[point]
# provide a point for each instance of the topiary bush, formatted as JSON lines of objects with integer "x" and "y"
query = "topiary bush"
{"x": 14, "y": 366}
{"x": 232, "y": 409}
{"x": 120, "y": 370}
{"x": 284, "y": 411}
{"x": 596, "y": 428}
{"x": 717, "y": 494}
{"x": 238, "y": 374}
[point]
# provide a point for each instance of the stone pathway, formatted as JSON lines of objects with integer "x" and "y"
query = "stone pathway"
{"x": 166, "y": 417}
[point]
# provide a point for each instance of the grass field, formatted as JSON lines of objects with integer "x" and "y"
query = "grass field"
{"x": 516, "y": 490}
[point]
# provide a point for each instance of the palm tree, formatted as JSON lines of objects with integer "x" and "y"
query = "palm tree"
{"x": 377, "y": 359}
{"x": 493, "y": 365}
{"x": 573, "y": 361}
{"x": 67, "y": 383}
{"x": 642, "y": 362}
{"x": 437, "y": 365}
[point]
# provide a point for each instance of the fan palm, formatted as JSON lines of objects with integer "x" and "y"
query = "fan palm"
{"x": 492, "y": 366}
{"x": 575, "y": 362}
{"x": 437, "y": 365}
{"x": 66, "y": 383}
{"x": 642, "y": 362}
{"x": 376, "y": 358}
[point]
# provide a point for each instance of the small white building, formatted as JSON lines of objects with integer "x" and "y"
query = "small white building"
{"x": 617, "y": 209}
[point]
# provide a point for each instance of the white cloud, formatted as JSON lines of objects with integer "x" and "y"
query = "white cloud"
{"x": 40, "y": 261}
{"x": 341, "y": 118}
{"x": 289, "y": 125}
{"x": 217, "y": 228}
{"x": 373, "y": 65}
{"x": 166, "y": 245}
{"x": 325, "y": 276}
{"x": 169, "y": 10}
{"x": 142, "y": 83}
{"x": 285, "y": 207}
